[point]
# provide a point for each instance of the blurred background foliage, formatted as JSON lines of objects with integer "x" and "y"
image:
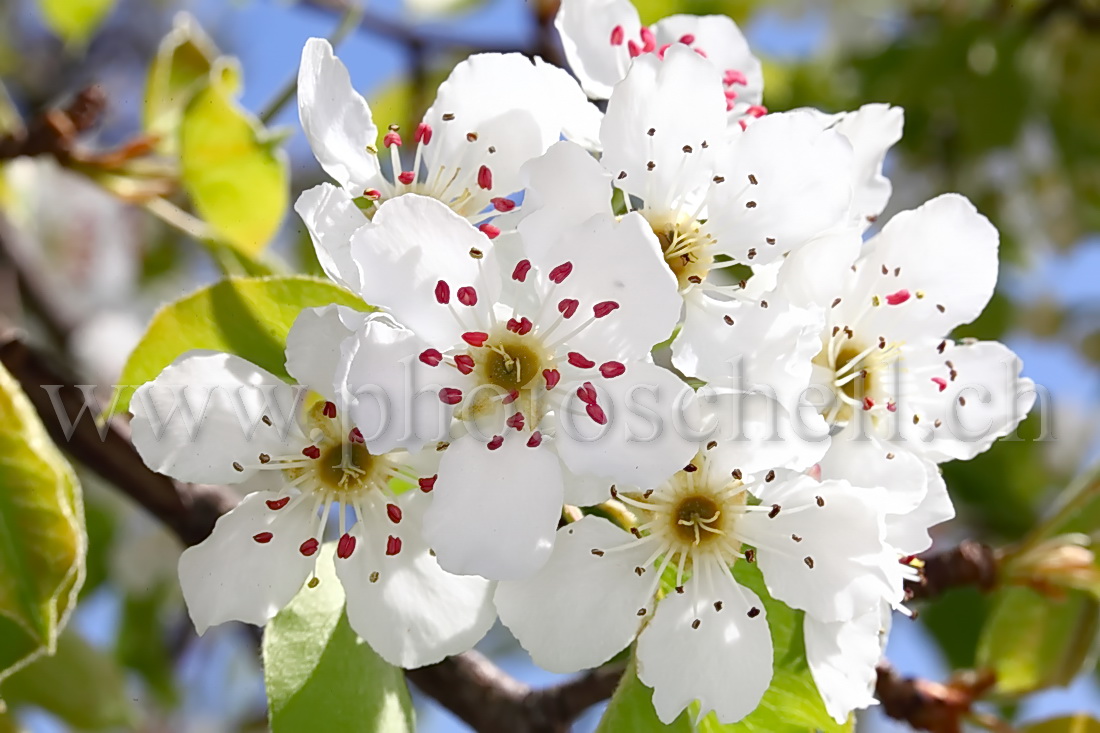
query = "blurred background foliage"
{"x": 196, "y": 160}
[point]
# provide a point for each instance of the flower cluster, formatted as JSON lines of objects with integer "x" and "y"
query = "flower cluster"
{"x": 616, "y": 360}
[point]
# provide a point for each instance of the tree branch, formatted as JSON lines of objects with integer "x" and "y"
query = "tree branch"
{"x": 469, "y": 685}
{"x": 969, "y": 564}
{"x": 927, "y": 705}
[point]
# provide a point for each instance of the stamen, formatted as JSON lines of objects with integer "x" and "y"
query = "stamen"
{"x": 612, "y": 369}
{"x": 475, "y": 338}
{"x": 427, "y": 484}
{"x": 277, "y": 504}
{"x": 522, "y": 268}
{"x": 602, "y": 309}
{"x": 485, "y": 177}
{"x": 393, "y": 545}
{"x": 393, "y": 512}
{"x": 467, "y": 296}
{"x": 552, "y": 377}
{"x": 578, "y": 360}
{"x": 559, "y": 273}
{"x": 450, "y": 395}
{"x": 442, "y": 292}
{"x": 489, "y": 230}
{"x": 535, "y": 440}
{"x": 496, "y": 442}
{"x": 309, "y": 547}
{"x": 431, "y": 357}
{"x": 263, "y": 537}
{"x": 345, "y": 546}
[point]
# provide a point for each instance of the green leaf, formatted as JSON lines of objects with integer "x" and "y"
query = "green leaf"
{"x": 631, "y": 709}
{"x": 1060, "y": 638}
{"x": 791, "y": 704}
{"x": 179, "y": 70}
{"x": 74, "y": 21}
{"x": 79, "y": 684}
{"x": 320, "y": 676}
{"x": 250, "y": 317}
{"x": 233, "y": 170}
{"x": 1079, "y": 723}
{"x": 42, "y": 539}
{"x": 140, "y": 644}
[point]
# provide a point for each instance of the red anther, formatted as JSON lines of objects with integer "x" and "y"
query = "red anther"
{"x": 406, "y": 177}
{"x": 263, "y": 537}
{"x": 510, "y": 397}
{"x": 277, "y": 504}
{"x": 467, "y": 295}
{"x": 868, "y": 403}
{"x": 329, "y": 410}
{"x": 602, "y": 309}
{"x": 535, "y": 440}
{"x": 502, "y": 205}
{"x": 475, "y": 338}
{"x": 552, "y": 377}
{"x": 700, "y": 51}
{"x": 663, "y": 50}
{"x": 521, "y": 326}
{"x": 733, "y": 76}
{"x": 423, "y": 133}
{"x": 393, "y": 512}
{"x": 568, "y": 306}
{"x": 814, "y": 472}
{"x": 355, "y": 436}
{"x": 891, "y": 406}
{"x": 391, "y": 138}
{"x": 612, "y": 369}
{"x": 634, "y": 49}
{"x": 587, "y": 393}
{"x": 442, "y": 293}
{"x": 729, "y": 108}
{"x": 730, "y": 95}
{"x": 742, "y": 123}
{"x": 309, "y": 547}
{"x": 578, "y": 360}
{"x": 345, "y": 546}
{"x": 373, "y": 194}
{"x": 898, "y": 298}
{"x": 906, "y": 559}
{"x": 522, "y": 268}
{"x": 431, "y": 357}
{"x": 940, "y": 382}
{"x": 596, "y": 413}
{"x": 311, "y": 451}
{"x": 485, "y": 177}
{"x": 515, "y": 421}
{"x": 450, "y": 396}
{"x": 393, "y": 545}
{"x": 757, "y": 110}
{"x": 427, "y": 484}
{"x": 489, "y": 230}
{"x": 617, "y": 35}
{"x": 496, "y": 442}
{"x": 649, "y": 41}
{"x": 559, "y": 273}
{"x": 464, "y": 363}
{"x": 687, "y": 39}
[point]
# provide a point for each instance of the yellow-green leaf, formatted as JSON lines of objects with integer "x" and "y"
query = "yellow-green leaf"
{"x": 233, "y": 170}
{"x": 250, "y": 317}
{"x": 42, "y": 538}
{"x": 179, "y": 70}
{"x": 74, "y": 21}
{"x": 320, "y": 676}
{"x": 1080, "y": 723}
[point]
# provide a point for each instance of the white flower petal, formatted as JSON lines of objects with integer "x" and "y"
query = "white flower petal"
{"x": 203, "y": 414}
{"x": 414, "y": 243}
{"x": 564, "y": 188}
{"x": 941, "y": 258}
{"x": 815, "y": 274}
{"x": 842, "y": 537}
{"x": 336, "y": 119}
{"x": 725, "y": 46}
{"x": 619, "y": 262}
{"x": 780, "y": 158}
{"x": 313, "y": 345}
{"x": 754, "y": 434}
{"x": 332, "y": 217}
{"x": 863, "y": 458}
{"x": 586, "y": 28}
{"x": 963, "y": 396}
{"x": 680, "y": 100}
{"x": 907, "y": 532}
{"x": 581, "y": 608}
{"x": 231, "y": 576}
{"x": 393, "y": 396}
{"x": 725, "y": 662}
{"x": 495, "y": 512}
{"x": 746, "y": 346}
{"x": 872, "y": 129}
{"x": 842, "y": 657}
{"x": 404, "y": 605}
{"x": 648, "y": 433}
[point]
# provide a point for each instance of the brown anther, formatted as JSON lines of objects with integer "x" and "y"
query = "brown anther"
{"x": 597, "y": 553}
{"x": 695, "y": 623}
{"x": 774, "y": 512}
{"x": 809, "y": 562}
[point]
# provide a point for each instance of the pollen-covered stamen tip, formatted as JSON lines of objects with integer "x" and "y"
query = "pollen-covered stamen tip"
{"x": 687, "y": 39}
{"x": 423, "y": 133}
{"x": 393, "y": 545}
{"x": 467, "y": 296}
{"x": 559, "y": 273}
{"x": 263, "y": 537}
{"x": 393, "y": 512}
{"x": 442, "y": 292}
{"x": 329, "y": 410}
{"x": 868, "y": 403}
{"x": 489, "y": 230}
{"x": 502, "y": 204}
{"x": 427, "y": 483}
{"x": 587, "y": 393}
{"x": 450, "y": 396}
{"x": 633, "y": 49}
{"x": 485, "y": 177}
{"x": 515, "y": 421}
{"x": 431, "y": 357}
{"x": 464, "y": 363}
{"x": 568, "y": 306}
{"x": 406, "y": 177}
{"x": 277, "y": 504}
{"x": 475, "y": 338}
{"x": 496, "y": 442}
{"x": 309, "y": 547}
{"x": 372, "y": 194}
{"x": 580, "y": 361}
{"x": 535, "y": 440}
{"x": 345, "y": 546}
{"x": 898, "y": 298}
{"x": 649, "y": 41}
{"x": 552, "y": 377}
{"x": 612, "y": 369}
{"x": 354, "y": 436}
{"x": 940, "y": 382}
{"x": 618, "y": 35}
{"x": 311, "y": 451}
{"x": 392, "y": 138}
{"x": 523, "y": 267}
{"x": 596, "y": 413}
{"x": 605, "y": 308}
